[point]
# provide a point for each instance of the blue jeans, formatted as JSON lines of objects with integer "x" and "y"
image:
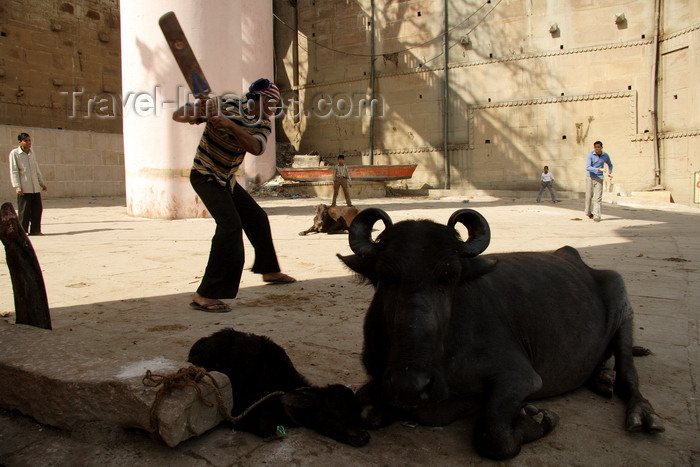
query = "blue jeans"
{"x": 551, "y": 191}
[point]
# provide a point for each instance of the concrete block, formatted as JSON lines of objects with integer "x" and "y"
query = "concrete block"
{"x": 306, "y": 160}
{"x": 44, "y": 378}
{"x": 657, "y": 195}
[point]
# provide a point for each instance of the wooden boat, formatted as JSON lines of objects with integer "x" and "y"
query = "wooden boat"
{"x": 374, "y": 173}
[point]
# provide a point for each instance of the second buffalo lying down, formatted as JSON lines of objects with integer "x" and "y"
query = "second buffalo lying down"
{"x": 332, "y": 219}
{"x": 257, "y": 367}
{"x": 449, "y": 330}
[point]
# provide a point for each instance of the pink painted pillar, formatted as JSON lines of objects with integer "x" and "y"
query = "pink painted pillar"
{"x": 258, "y": 62}
{"x": 158, "y": 152}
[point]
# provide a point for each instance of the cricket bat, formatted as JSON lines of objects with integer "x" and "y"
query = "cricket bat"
{"x": 186, "y": 60}
{"x": 184, "y": 56}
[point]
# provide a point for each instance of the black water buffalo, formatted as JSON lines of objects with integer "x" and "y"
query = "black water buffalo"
{"x": 257, "y": 367}
{"x": 449, "y": 332}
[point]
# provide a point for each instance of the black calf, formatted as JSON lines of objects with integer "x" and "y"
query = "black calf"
{"x": 257, "y": 367}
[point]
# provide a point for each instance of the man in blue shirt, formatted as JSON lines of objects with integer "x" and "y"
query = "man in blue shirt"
{"x": 595, "y": 171}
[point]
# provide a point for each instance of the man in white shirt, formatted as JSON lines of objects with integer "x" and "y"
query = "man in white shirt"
{"x": 547, "y": 180}
{"x": 28, "y": 183}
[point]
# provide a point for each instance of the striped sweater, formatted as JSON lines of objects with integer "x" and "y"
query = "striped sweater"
{"x": 219, "y": 155}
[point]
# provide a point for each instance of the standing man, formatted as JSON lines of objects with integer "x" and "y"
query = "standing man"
{"x": 595, "y": 171}
{"x": 547, "y": 180}
{"x": 341, "y": 178}
{"x": 242, "y": 126}
{"x": 28, "y": 183}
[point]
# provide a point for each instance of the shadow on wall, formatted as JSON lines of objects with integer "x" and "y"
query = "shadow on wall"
{"x": 421, "y": 47}
{"x": 505, "y": 153}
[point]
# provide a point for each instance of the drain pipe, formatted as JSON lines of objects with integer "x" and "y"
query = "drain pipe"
{"x": 655, "y": 94}
{"x": 371, "y": 88}
{"x": 445, "y": 100}
{"x": 295, "y": 61}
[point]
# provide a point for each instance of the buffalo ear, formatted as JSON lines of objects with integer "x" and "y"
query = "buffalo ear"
{"x": 473, "y": 268}
{"x": 364, "y": 267}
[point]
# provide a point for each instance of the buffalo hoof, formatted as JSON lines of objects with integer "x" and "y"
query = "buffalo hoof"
{"x": 357, "y": 438}
{"x": 638, "y": 351}
{"x": 644, "y": 419}
{"x": 547, "y": 419}
{"x": 603, "y": 382}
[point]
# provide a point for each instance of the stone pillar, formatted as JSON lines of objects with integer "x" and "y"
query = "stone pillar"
{"x": 258, "y": 62}
{"x": 158, "y": 152}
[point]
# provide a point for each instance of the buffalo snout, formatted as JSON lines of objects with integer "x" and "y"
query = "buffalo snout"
{"x": 412, "y": 388}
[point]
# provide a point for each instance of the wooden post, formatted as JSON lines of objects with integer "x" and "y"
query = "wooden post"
{"x": 31, "y": 303}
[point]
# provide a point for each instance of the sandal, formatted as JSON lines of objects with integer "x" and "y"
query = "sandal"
{"x": 213, "y": 307}
{"x": 283, "y": 279}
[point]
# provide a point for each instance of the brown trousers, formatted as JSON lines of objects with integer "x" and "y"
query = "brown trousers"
{"x": 337, "y": 184}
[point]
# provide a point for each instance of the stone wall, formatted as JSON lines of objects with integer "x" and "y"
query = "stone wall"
{"x": 57, "y": 59}
{"x": 529, "y": 84}
{"x": 73, "y": 163}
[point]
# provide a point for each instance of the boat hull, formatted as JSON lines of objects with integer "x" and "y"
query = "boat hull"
{"x": 374, "y": 173}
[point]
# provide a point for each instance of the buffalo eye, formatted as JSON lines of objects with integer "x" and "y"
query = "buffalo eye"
{"x": 388, "y": 272}
{"x": 389, "y": 278}
{"x": 447, "y": 273}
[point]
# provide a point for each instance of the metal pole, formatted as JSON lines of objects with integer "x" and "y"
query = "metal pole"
{"x": 371, "y": 87}
{"x": 445, "y": 100}
{"x": 655, "y": 94}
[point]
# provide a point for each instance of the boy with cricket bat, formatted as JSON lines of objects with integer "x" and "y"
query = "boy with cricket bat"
{"x": 233, "y": 128}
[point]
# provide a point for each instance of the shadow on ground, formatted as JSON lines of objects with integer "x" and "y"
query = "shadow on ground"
{"x": 127, "y": 299}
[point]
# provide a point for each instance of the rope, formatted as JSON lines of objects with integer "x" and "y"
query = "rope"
{"x": 240, "y": 416}
{"x": 192, "y": 376}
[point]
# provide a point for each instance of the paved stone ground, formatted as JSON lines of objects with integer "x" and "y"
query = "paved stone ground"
{"x": 119, "y": 286}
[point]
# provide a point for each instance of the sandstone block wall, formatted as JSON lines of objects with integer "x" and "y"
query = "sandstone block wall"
{"x": 529, "y": 84}
{"x": 73, "y": 163}
{"x": 57, "y": 58}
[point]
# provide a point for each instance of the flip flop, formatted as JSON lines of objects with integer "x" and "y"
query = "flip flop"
{"x": 283, "y": 279}
{"x": 209, "y": 307}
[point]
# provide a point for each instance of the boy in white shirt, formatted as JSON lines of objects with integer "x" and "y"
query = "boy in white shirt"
{"x": 547, "y": 180}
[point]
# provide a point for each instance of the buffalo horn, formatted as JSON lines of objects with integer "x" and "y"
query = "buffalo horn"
{"x": 360, "y": 232}
{"x": 478, "y": 228}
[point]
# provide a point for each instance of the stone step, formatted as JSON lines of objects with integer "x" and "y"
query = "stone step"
{"x": 43, "y": 379}
{"x": 359, "y": 190}
{"x": 503, "y": 194}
